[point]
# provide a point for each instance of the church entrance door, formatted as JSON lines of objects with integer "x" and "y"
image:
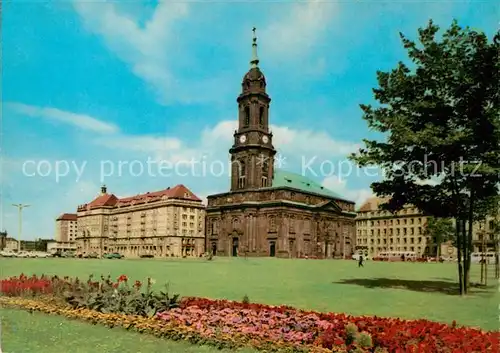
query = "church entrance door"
{"x": 235, "y": 246}
{"x": 272, "y": 249}
{"x": 214, "y": 249}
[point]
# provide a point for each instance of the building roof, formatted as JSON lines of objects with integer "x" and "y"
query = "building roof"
{"x": 283, "y": 178}
{"x": 373, "y": 203}
{"x": 177, "y": 192}
{"x": 67, "y": 217}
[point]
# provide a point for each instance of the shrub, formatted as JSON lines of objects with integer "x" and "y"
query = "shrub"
{"x": 246, "y": 300}
{"x": 351, "y": 331}
{"x": 364, "y": 340}
{"x": 121, "y": 298}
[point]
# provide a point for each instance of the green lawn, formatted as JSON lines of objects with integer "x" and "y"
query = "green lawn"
{"x": 405, "y": 290}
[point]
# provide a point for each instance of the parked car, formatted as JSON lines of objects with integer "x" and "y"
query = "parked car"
{"x": 68, "y": 254}
{"x": 32, "y": 254}
{"x": 91, "y": 255}
{"x": 113, "y": 255}
{"x": 22, "y": 254}
{"x": 7, "y": 253}
{"x": 41, "y": 254}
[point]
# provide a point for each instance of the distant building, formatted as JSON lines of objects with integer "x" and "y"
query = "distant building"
{"x": 35, "y": 245}
{"x": 381, "y": 231}
{"x": 166, "y": 223}
{"x": 378, "y": 231}
{"x": 3, "y": 240}
{"x": 485, "y": 235}
{"x": 66, "y": 232}
{"x": 10, "y": 244}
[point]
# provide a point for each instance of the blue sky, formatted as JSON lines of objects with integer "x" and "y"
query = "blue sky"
{"x": 93, "y": 84}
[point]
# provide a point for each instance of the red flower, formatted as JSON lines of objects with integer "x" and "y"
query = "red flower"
{"x": 122, "y": 278}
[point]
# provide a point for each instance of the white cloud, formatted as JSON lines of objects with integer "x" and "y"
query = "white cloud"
{"x": 81, "y": 121}
{"x": 339, "y": 185}
{"x": 149, "y": 49}
{"x": 215, "y": 142}
{"x": 155, "y": 49}
{"x": 141, "y": 143}
{"x": 300, "y": 28}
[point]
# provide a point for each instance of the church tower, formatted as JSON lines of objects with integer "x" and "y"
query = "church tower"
{"x": 252, "y": 154}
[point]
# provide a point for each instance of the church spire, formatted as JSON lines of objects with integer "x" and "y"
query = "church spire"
{"x": 255, "y": 59}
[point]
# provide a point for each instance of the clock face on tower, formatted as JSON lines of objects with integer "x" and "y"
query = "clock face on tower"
{"x": 243, "y": 139}
{"x": 265, "y": 139}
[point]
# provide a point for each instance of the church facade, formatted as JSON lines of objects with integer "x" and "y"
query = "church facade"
{"x": 269, "y": 212}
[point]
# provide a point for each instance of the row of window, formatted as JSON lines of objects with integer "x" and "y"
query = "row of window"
{"x": 417, "y": 249}
{"x": 390, "y": 222}
{"x": 381, "y": 213}
{"x": 391, "y": 231}
{"x": 419, "y": 240}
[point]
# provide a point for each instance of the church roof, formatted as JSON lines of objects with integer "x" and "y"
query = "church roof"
{"x": 284, "y": 178}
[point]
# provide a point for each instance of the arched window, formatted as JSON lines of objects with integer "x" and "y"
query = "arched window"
{"x": 241, "y": 173}
{"x": 235, "y": 223}
{"x": 265, "y": 173}
{"x": 247, "y": 115}
{"x": 261, "y": 115}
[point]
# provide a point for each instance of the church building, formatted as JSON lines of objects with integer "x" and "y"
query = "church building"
{"x": 270, "y": 212}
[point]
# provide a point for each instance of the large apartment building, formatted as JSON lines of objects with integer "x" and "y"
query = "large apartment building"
{"x": 166, "y": 223}
{"x": 66, "y": 231}
{"x": 379, "y": 231}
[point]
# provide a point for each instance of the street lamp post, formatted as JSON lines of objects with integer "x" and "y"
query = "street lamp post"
{"x": 20, "y": 207}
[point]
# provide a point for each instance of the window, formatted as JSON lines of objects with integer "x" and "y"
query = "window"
{"x": 247, "y": 115}
{"x": 265, "y": 173}
{"x": 241, "y": 174}
{"x": 272, "y": 224}
{"x": 292, "y": 224}
{"x": 261, "y": 116}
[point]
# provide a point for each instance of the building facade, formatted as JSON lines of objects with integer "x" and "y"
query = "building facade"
{"x": 11, "y": 244}
{"x": 485, "y": 235}
{"x": 379, "y": 231}
{"x": 382, "y": 231}
{"x": 166, "y": 223}
{"x": 66, "y": 232}
{"x": 3, "y": 240}
{"x": 268, "y": 212}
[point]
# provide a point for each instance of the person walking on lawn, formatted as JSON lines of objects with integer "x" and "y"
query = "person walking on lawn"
{"x": 360, "y": 263}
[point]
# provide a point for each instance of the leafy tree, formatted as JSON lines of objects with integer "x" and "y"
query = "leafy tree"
{"x": 440, "y": 229}
{"x": 440, "y": 118}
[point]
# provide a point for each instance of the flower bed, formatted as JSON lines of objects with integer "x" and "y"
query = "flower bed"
{"x": 233, "y": 324}
{"x": 23, "y": 285}
{"x": 329, "y": 329}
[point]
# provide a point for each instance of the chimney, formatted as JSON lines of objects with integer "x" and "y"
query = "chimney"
{"x": 103, "y": 189}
